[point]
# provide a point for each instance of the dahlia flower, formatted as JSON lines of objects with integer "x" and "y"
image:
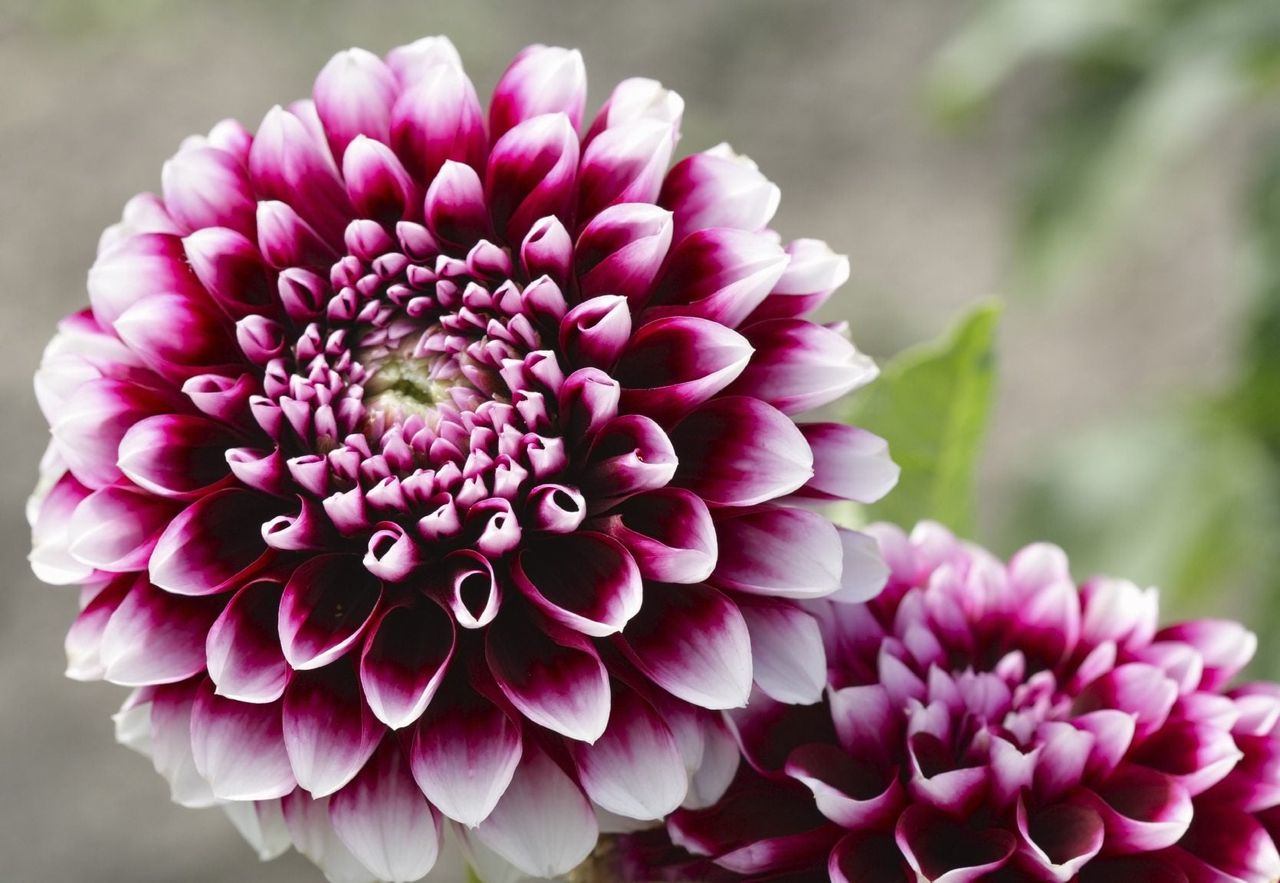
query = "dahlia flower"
{"x": 419, "y": 464}
{"x": 995, "y": 722}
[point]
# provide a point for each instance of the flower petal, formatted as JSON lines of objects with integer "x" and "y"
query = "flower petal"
{"x": 328, "y": 603}
{"x": 206, "y": 550}
{"x": 596, "y": 597}
{"x": 239, "y": 748}
{"x": 243, "y": 646}
{"x": 328, "y": 730}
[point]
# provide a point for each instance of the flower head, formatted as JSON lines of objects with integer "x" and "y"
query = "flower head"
{"x": 424, "y": 463}
{"x": 995, "y": 722}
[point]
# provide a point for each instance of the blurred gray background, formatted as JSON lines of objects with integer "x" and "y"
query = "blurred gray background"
{"x": 824, "y": 95}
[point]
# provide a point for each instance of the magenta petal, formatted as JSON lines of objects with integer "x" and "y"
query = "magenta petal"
{"x": 207, "y": 187}
{"x": 851, "y": 792}
{"x": 438, "y": 118}
{"x": 114, "y": 529}
{"x": 718, "y": 274}
{"x": 531, "y": 174}
{"x": 470, "y": 588}
{"x": 328, "y": 730}
{"x": 670, "y": 366}
{"x": 801, "y": 365}
{"x": 83, "y": 643}
{"x": 813, "y": 272}
{"x": 1233, "y": 844}
{"x": 1143, "y": 810}
{"x": 718, "y": 188}
{"x": 243, "y": 646}
{"x": 178, "y": 337}
{"x": 1198, "y": 755}
{"x": 1142, "y": 690}
{"x": 594, "y": 332}
{"x": 1060, "y": 839}
{"x": 543, "y": 824}
{"x": 635, "y": 769}
{"x": 169, "y": 743}
{"x": 327, "y": 605}
{"x": 291, "y": 163}
{"x": 670, "y": 535}
{"x": 88, "y": 429}
{"x": 788, "y": 661}
{"x": 464, "y": 753}
{"x": 1225, "y": 646}
{"x": 561, "y": 685}
{"x": 779, "y": 552}
{"x": 597, "y": 596}
{"x": 154, "y": 637}
{"x": 621, "y": 251}
{"x": 869, "y": 858}
{"x": 385, "y": 821}
{"x": 205, "y": 549}
{"x": 354, "y": 94}
{"x": 942, "y": 850}
{"x": 136, "y": 268}
{"x": 625, "y": 164}
{"x": 239, "y": 748}
{"x": 848, "y": 463}
{"x": 866, "y": 721}
{"x": 630, "y": 455}
{"x": 740, "y": 452}
{"x": 693, "y": 642}
{"x": 377, "y": 184}
{"x": 175, "y": 455}
{"x": 230, "y": 268}
{"x": 455, "y": 209}
{"x": 541, "y": 79}
{"x": 404, "y": 660}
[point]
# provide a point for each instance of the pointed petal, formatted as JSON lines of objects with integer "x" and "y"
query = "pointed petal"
{"x": 354, "y": 94}
{"x": 779, "y": 551}
{"x": 635, "y": 769}
{"x": 848, "y": 463}
{"x": 170, "y": 745}
{"x": 736, "y": 451}
{"x": 328, "y": 730}
{"x": 670, "y": 535}
{"x": 694, "y": 643}
{"x": 671, "y": 366}
{"x": 541, "y": 79}
{"x": 327, "y": 605}
{"x": 243, "y": 646}
{"x": 155, "y": 637}
{"x": 385, "y": 821}
{"x": 404, "y": 660}
{"x": 788, "y": 661}
{"x": 239, "y": 748}
{"x": 464, "y": 753}
{"x": 114, "y": 529}
{"x": 543, "y": 824}
{"x": 596, "y": 597}
{"x": 206, "y": 549}
{"x": 175, "y": 455}
{"x": 561, "y": 685}
{"x": 531, "y": 174}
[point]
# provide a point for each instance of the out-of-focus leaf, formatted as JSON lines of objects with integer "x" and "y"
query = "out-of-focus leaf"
{"x": 931, "y": 404}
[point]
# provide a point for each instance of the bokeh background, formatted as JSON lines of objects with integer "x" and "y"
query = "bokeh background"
{"x": 1105, "y": 167}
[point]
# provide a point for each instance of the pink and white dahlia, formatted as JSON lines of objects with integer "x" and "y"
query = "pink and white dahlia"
{"x": 995, "y": 722}
{"x": 424, "y": 464}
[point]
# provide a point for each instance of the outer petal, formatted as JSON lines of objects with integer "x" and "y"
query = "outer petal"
{"x": 175, "y": 455}
{"x": 154, "y": 637}
{"x": 404, "y": 660}
{"x": 635, "y": 769}
{"x": 788, "y": 660}
{"x": 115, "y": 529}
{"x": 328, "y": 730}
{"x": 719, "y": 188}
{"x": 464, "y": 754}
{"x": 848, "y": 463}
{"x": 169, "y": 744}
{"x": 670, "y": 366}
{"x": 543, "y": 824}
{"x": 354, "y": 94}
{"x": 541, "y": 79}
{"x": 531, "y": 174}
{"x": 801, "y": 365}
{"x": 669, "y": 533}
{"x": 385, "y": 821}
{"x": 778, "y": 551}
{"x": 239, "y": 748}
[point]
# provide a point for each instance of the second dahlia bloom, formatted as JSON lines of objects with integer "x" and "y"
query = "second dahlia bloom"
{"x": 420, "y": 463}
{"x": 994, "y": 722}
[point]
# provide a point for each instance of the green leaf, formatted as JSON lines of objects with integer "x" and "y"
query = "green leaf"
{"x": 931, "y": 404}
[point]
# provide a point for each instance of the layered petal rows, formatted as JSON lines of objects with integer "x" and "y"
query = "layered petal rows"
{"x": 423, "y": 464}
{"x": 991, "y": 721}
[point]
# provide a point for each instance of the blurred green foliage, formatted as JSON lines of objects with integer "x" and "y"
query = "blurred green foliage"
{"x": 931, "y": 404}
{"x": 1187, "y": 494}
